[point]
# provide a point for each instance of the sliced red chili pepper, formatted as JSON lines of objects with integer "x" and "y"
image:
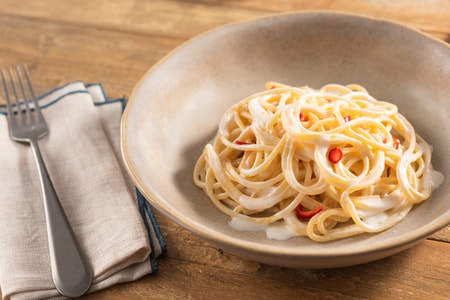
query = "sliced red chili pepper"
{"x": 347, "y": 119}
{"x": 303, "y": 118}
{"x": 242, "y": 143}
{"x": 335, "y": 155}
{"x": 307, "y": 214}
{"x": 396, "y": 142}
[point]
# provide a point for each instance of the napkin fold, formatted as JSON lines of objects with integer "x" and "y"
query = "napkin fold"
{"x": 113, "y": 222}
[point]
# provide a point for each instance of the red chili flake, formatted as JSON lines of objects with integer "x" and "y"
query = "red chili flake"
{"x": 396, "y": 142}
{"x": 307, "y": 214}
{"x": 335, "y": 155}
{"x": 242, "y": 143}
{"x": 303, "y": 118}
{"x": 347, "y": 119}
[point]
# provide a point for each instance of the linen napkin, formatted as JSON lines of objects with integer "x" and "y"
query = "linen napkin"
{"x": 114, "y": 224}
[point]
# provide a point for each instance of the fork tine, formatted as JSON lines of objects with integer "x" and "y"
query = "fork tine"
{"x": 27, "y": 116}
{"x": 21, "y": 116}
{"x": 11, "y": 119}
{"x": 37, "y": 108}
{"x": 6, "y": 89}
{"x": 30, "y": 86}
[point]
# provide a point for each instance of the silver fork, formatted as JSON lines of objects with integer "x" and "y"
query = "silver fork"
{"x": 71, "y": 273}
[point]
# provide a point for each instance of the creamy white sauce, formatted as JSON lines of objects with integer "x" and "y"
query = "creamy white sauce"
{"x": 436, "y": 179}
{"x": 244, "y": 225}
{"x": 374, "y": 205}
{"x": 378, "y": 220}
{"x": 280, "y": 231}
{"x": 275, "y": 231}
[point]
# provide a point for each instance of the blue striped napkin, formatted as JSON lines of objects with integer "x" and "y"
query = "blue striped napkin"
{"x": 114, "y": 223}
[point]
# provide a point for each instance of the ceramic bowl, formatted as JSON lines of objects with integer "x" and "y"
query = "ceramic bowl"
{"x": 174, "y": 111}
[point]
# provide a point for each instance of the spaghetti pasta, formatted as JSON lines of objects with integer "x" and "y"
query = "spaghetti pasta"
{"x": 327, "y": 163}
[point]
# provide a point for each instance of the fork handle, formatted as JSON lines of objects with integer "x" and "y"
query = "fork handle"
{"x": 71, "y": 273}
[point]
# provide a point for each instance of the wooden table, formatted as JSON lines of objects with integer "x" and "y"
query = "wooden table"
{"x": 116, "y": 41}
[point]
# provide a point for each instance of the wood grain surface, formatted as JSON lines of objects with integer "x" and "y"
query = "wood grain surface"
{"x": 116, "y": 41}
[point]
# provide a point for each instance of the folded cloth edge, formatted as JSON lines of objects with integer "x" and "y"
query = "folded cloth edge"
{"x": 145, "y": 209}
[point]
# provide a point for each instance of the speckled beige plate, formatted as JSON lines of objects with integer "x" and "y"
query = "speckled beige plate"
{"x": 174, "y": 110}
